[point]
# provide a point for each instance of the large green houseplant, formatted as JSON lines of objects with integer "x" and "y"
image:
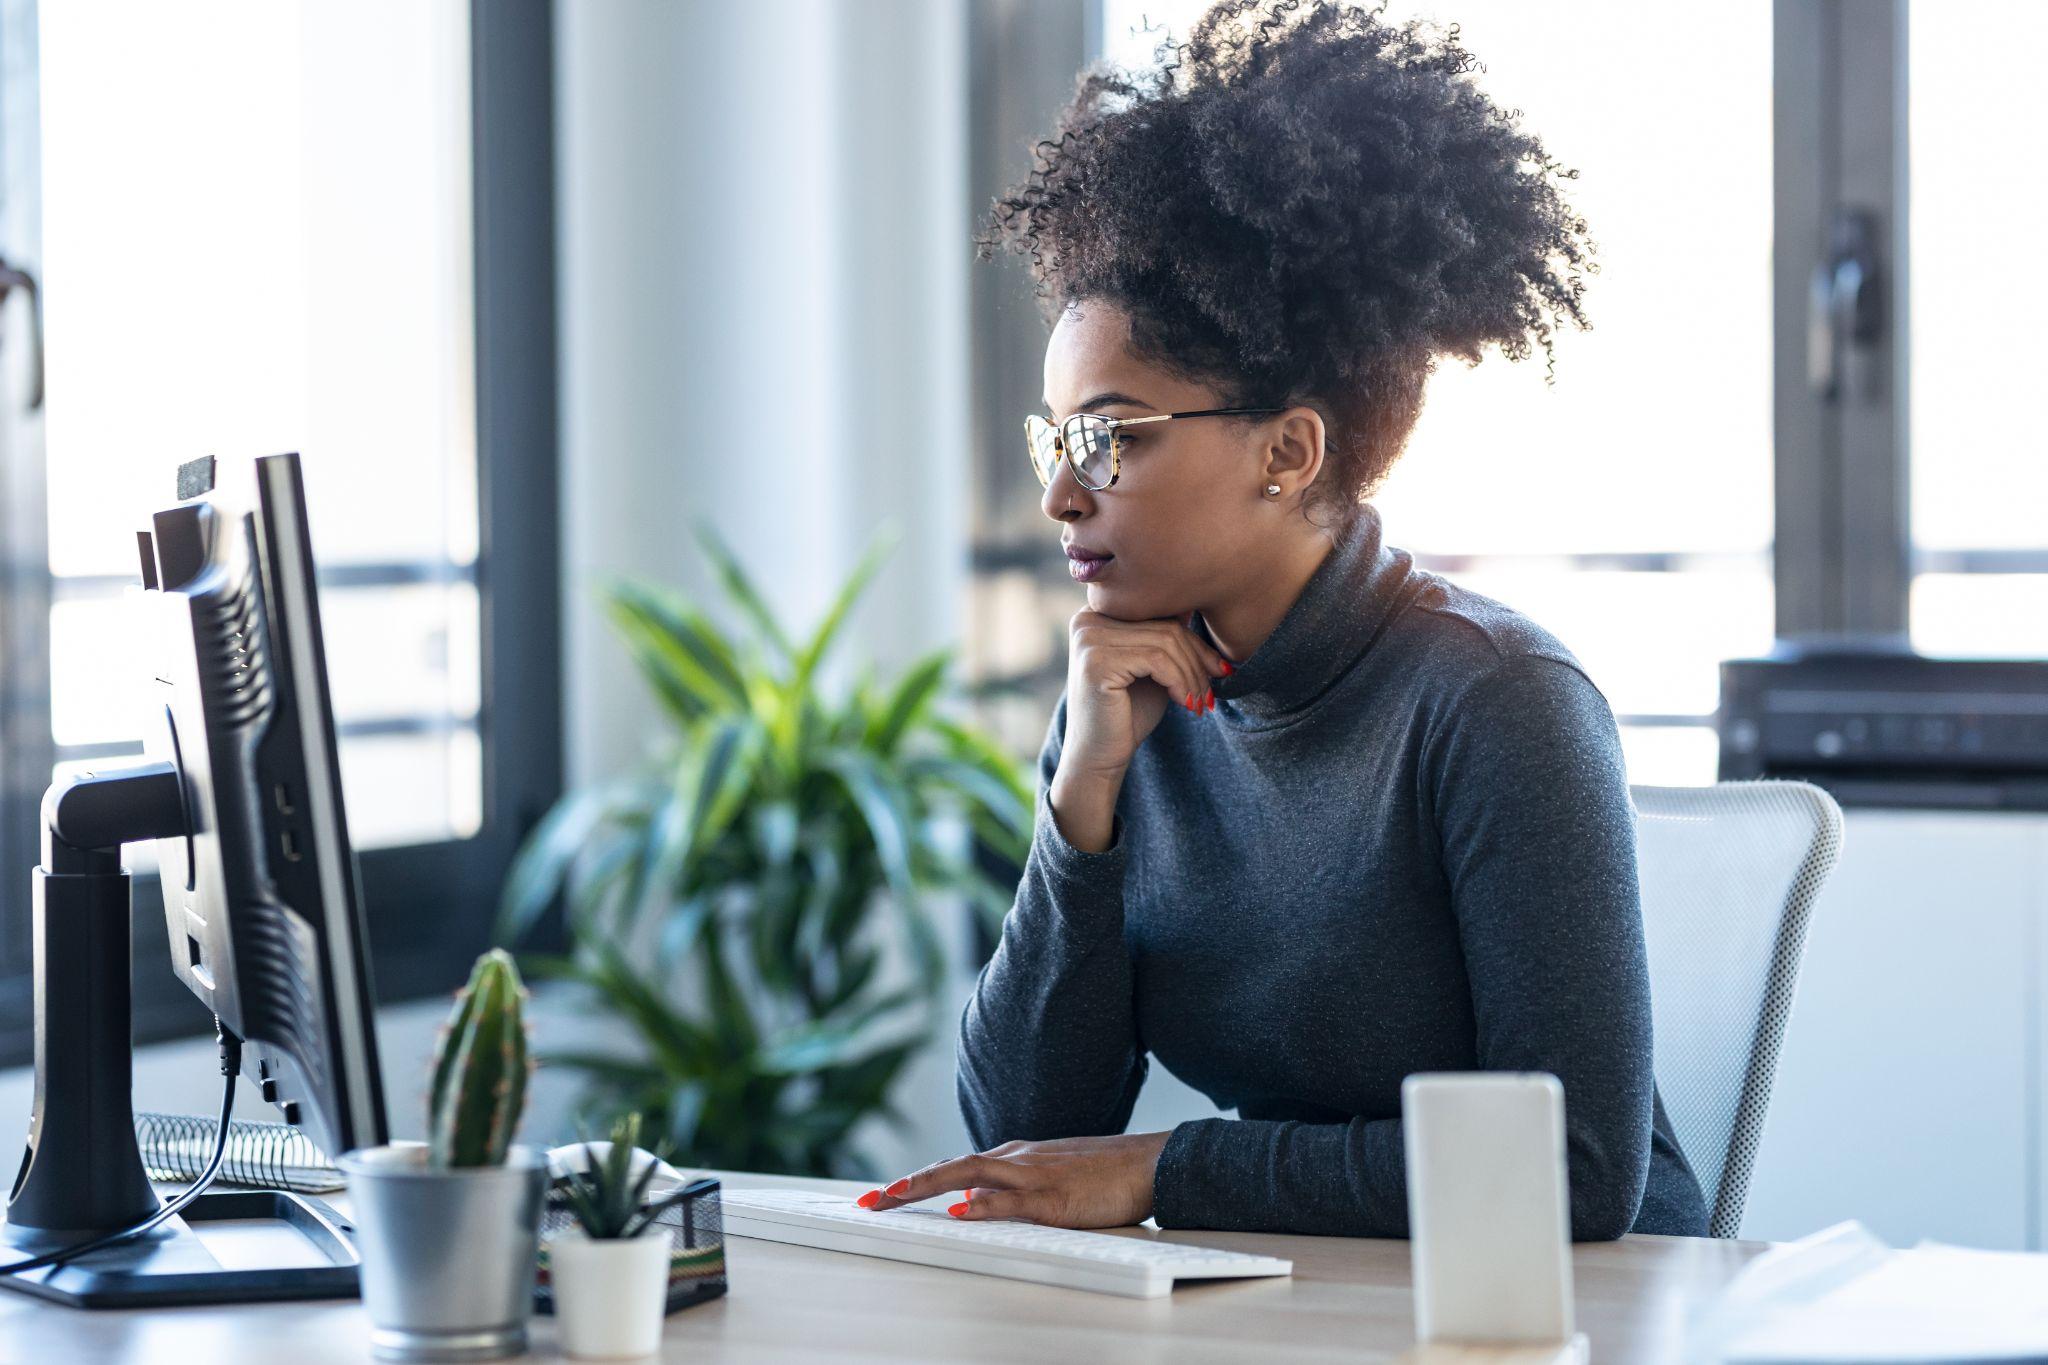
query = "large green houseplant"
{"x": 743, "y": 900}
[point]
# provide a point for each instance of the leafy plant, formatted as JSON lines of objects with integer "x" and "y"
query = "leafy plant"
{"x": 607, "y": 1200}
{"x": 480, "y": 1068}
{"x": 737, "y": 900}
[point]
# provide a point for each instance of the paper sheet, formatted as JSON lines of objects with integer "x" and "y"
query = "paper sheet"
{"x": 1932, "y": 1303}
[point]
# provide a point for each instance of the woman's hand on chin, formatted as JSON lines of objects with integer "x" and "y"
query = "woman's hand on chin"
{"x": 1085, "y": 1182}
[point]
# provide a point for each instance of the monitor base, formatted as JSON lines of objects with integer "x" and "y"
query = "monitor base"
{"x": 174, "y": 1265}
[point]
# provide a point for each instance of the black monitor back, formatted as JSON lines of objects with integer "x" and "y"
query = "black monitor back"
{"x": 262, "y": 899}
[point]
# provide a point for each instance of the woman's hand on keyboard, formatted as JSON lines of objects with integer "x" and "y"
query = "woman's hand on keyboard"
{"x": 1085, "y": 1182}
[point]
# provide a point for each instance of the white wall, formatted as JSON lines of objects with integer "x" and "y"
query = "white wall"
{"x": 1909, "y": 1093}
{"x": 764, "y": 237}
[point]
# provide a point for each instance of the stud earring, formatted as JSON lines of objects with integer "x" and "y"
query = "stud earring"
{"x": 1272, "y": 490}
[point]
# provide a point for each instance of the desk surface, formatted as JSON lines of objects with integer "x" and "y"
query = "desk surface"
{"x": 1347, "y": 1296}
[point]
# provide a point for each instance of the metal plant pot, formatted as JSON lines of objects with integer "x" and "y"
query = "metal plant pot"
{"x": 448, "y": 1254}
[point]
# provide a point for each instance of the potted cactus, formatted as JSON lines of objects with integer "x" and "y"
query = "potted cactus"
{"x": 609, "y": 1273}
{"x": 448, "y": 1228}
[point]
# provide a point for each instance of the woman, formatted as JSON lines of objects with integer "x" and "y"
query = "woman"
{"x": 1386, "y": 827}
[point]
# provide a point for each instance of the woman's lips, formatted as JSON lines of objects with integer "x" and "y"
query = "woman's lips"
{"x": 1087, "y": 568}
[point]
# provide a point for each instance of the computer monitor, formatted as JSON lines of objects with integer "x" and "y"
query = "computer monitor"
{"x": 242, "y": 798}
{"x": 261, "y": 898}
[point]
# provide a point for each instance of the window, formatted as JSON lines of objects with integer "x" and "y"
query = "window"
{"x": 1628, "y": 508}
{"x": 257, "y": 249}
{"x": 314, "y": 228}
{"x": 1980, "y": 564}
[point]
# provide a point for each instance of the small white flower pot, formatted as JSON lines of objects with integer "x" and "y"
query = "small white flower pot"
{"x": 611, "y": 1294}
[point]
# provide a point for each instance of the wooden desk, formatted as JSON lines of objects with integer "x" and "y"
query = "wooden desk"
{"x": 1348, "y": 1299}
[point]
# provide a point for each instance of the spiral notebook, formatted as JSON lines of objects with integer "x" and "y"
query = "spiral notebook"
{"x": 272, "y": 1156}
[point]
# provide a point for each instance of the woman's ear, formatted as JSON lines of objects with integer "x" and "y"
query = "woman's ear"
{"x": 1294, "y": 451}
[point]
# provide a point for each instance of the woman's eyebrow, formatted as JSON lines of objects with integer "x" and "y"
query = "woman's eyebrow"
{"x": 1103, "y": 400}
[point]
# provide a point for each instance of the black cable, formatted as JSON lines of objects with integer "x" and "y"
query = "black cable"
{"x": 231, "y": 1067}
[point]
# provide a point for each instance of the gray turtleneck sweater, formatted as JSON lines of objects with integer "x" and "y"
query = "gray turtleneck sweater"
{"x": 1402, "y": 841}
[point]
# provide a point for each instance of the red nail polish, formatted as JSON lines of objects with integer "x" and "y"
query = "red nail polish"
{"x": 868, "y": 1200}
{"x": 1227, "y": 669}
{"x": 899, "y": 1189}
{"x": 1189, "y": 701}
{"x": 958, "y": 1209}
{"x": 1208, "y": 702}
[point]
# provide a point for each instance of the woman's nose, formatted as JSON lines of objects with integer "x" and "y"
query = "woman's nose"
{"x": 1064, "y": 495}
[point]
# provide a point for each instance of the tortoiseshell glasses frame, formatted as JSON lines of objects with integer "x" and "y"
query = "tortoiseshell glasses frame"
{"x": 1095, "y": 436}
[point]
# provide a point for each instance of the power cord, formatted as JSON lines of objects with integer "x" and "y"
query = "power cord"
{"x": 230, "y": 1067}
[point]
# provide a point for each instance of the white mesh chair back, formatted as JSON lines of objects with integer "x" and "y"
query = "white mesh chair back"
{"x": 1729, "y": 874}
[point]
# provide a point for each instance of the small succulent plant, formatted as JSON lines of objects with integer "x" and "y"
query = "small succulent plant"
{"x": 608, "y": 1201}
{"x": 480, "y": 1068}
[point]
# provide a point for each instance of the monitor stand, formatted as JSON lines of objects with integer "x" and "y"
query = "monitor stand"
{"x": 82, "y": 1175}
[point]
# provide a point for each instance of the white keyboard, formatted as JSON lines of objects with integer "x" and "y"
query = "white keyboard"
{"x": 1135, "y": 1267}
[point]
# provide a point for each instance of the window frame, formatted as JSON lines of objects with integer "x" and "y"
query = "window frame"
{"x": 430, "y": 906}
{"x": 1843, "y": 545}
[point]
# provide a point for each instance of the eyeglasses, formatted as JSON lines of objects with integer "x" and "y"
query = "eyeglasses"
{"x": 1091, "y": 444}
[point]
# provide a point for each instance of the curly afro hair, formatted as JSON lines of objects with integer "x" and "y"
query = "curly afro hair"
{"x": 1304, "y": 203}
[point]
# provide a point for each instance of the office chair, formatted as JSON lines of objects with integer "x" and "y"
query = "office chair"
{"x": 1729, "y": 874}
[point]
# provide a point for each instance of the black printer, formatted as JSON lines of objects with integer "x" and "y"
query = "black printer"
{"x": 1878, "y": 725}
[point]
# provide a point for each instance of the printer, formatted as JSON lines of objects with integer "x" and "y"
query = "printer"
{"x": 1877, "y": 725}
